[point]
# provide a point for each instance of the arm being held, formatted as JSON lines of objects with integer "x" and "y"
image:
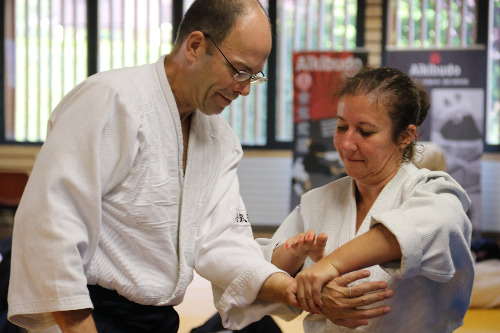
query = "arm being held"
{"x": 427, "y": 233}
{"x": 352, "y": 256}
{"x": 340, "y": 307}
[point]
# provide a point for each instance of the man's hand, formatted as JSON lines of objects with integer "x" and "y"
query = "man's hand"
{"x": 310, "y": 283}
{"x": 342, "y": 309}
{"x": 279, "y": 288}
{"x": 75, "y": 321}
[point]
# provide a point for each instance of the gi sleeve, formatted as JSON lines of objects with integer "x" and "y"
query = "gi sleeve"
{"x": 227, "y": 254}
{"x": 290, "y": 227}
{"x": 56, "y": 230}
{"x": 431, "y": 227}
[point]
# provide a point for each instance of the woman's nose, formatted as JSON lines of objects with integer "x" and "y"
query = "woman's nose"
{"x": 349, "y": 141}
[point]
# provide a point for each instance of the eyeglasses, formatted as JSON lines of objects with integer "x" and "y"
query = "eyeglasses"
{"x": 241, "y": 76}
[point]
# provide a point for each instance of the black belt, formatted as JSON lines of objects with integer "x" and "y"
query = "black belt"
{"x": 114, "y": 313}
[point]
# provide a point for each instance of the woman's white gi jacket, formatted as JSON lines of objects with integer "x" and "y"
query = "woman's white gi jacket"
{"x": 426, "y": 211}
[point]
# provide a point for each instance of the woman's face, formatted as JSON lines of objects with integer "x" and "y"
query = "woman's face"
{"x": 363, "y": 139}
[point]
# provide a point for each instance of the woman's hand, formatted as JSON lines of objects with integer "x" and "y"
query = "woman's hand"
{"x": 341, "y": 302}
{"x": 291, "y": 255}
{"x": 307, "y": 244}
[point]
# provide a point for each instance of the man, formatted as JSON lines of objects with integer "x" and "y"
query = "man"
{"x": 136, "y": 186}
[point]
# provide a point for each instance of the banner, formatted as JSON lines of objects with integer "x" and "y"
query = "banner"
{"x": 317, "y": 78}
{"x": 455, "y": 81}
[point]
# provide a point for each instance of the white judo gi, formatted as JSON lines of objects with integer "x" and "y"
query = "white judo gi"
{"x": 426, "y": 211}
{"x": 108, "y": 203}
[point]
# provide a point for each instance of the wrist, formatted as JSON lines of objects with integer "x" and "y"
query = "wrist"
{"x": 335, "y": 267}
{"x": 75, "y": 320}
{"x": 331, "y": 265}
{"x": 276, "y": 288}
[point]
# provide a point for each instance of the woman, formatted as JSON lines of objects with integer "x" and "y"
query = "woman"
{"x": 407, "y": 225}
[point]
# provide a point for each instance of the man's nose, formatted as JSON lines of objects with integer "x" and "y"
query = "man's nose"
{"x": 243, "y": 88}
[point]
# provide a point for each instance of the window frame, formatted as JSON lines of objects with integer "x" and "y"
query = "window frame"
{"x": 272, "y": 143}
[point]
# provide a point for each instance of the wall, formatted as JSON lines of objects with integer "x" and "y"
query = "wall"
{"x": 265, "y": 186}
{"x": 265, "y": 176}
{"x": 265, "y": 183}
{"x": 18, "y": 157}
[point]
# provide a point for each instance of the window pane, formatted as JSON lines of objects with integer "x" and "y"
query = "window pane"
{"x": 46, "y": 56}
{"x": 308, "y": 25}
{"x": 493, "y": 115}
{"x": 133, "y": 32}
{"x": 431, "y": 23}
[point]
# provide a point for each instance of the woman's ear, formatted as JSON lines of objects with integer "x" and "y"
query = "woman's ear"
{"x": 407, "y": 136}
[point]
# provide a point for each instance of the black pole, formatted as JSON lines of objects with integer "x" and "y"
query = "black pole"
{"x": 360, "y": 23}
{"x": 92, "y": 36}
{"x": 271, "y": 83}
{"x": 178, "y": 13}
{"x": 2, "y": 73}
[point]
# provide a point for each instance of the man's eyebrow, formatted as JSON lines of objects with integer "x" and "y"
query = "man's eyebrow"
{"x": 242, "y": 66}
{"x": 245, "y": 68}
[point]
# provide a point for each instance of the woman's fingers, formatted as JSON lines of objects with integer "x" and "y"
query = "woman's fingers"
{"x": 317, "y": 251}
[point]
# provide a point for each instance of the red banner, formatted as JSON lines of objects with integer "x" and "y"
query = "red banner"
{"x": 317, "y": 79}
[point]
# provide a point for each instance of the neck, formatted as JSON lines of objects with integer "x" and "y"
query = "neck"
{"x": 369, "y": 191}
{"x": 176, "y": 76}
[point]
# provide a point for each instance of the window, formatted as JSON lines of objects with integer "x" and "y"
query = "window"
{"x": 50, "y": 48}
{"x": 436, "y": 23}
{"x": 493, "y": 101}
{"x": 45, "y": 57}
{"x": 308, "y": 25}
{"x": 454, "y": 24}
{"x": 133, "y": 32}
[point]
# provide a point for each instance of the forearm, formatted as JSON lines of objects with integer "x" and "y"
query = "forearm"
{"x": 374, "y": 247}
{"x": 278, "y": 288}
{"x": 286, "y": 260}
{"x": 75, "y": 321}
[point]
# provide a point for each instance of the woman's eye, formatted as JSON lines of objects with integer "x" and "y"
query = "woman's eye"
{"x": 341, "y": 128}
{"x": 366, "y": 133}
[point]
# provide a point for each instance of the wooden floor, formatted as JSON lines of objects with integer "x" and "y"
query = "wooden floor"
{"x": 198, "y": 307}
{"x": 198, "y": 303}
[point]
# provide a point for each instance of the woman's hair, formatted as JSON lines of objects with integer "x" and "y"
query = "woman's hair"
{"x": 214, "y": 17}
{"x": 406, "y": 102}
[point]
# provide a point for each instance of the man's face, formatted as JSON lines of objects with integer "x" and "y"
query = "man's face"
{"x": 247, "y": 47}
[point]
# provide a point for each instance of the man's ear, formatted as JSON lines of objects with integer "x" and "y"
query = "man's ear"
{"x": 407, "y": 136}
{"x": 195, "y": 45}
